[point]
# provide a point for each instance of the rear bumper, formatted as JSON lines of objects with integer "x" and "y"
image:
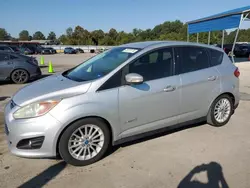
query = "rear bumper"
{"x": 36, "y": 73}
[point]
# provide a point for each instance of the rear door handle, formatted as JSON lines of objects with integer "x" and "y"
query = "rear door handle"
{"x": 212, "y": 78}
{"x": 169, "y": 88}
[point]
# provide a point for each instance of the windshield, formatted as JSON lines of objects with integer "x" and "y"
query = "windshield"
{"x": 101, "y": 64}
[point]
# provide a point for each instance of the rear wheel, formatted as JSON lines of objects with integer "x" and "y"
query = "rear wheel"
{"x": 20, "y": 76}
{"x": 84, "y": 142}
{"x": 220, "y": 111}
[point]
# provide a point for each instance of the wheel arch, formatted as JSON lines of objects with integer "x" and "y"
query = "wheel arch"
{"x": 19, "y": 68}
{"x": 86, "y": 117}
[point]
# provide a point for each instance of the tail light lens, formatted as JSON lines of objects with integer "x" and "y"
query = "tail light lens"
{"x": 237, "y": 73}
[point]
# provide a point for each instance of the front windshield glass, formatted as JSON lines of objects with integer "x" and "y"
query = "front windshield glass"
{"x": 101, "y": 64}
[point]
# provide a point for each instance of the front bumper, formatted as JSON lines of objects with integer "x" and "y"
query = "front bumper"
{"x": 45, "y": 126}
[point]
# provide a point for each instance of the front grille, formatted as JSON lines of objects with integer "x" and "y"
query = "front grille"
{"x": 6, "y": 129}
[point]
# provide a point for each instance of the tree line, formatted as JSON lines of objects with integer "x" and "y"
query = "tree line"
{"x": 169, "y": 30}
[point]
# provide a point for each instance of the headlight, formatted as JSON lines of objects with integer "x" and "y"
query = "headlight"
{"x": 35, "y": 109}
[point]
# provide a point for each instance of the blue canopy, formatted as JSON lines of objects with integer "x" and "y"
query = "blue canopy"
{"x": 225, "y": 20}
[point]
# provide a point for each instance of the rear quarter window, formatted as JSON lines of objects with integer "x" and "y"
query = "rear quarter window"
{"x": 216, "y": 57}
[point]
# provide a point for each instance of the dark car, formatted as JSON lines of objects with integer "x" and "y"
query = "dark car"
{"x": 69, "y": 50}
{"x": 79, "y": 50}
{"x": 6, "y": 48}
{"x": 45, "y": 51}
{"x": 18, "y": 68}
{"x": 25, "y": 51}
{"x": 243, "y": 50}
{"x": 52, "y": 50}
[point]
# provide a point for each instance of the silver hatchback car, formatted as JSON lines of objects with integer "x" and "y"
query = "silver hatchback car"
{"x": 120, "y": 95}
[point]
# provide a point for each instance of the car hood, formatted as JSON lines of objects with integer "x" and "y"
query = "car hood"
{"x": 52, "y": 87}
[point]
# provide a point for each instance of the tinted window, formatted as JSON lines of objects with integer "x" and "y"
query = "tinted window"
{"x": 154, "y": 65}
{"x": 216, "y": 57}
{"x": 192, "y": 59}
{"x": 13, "y": 57}
{"x": 112, "y": 82}
{"x": 3, "y": 57}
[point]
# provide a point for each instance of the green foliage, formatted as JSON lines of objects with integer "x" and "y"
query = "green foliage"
{"x": 3, "y": 34}
{"x": 38, "y": 36}
{"x": 24, "y": 35}
{"x": 52, "y": 36}
{"x": 169, "y": 30}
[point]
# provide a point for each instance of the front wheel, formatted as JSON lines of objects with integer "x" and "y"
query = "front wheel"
{"x": 84, "y": 142}
{"x": 220, "y": 111}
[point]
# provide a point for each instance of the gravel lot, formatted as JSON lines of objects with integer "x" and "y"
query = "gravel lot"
{"x": 199, "y": 154}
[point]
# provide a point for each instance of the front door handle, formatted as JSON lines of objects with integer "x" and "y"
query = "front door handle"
{"x": 212, "y": 78}
{"x": 169, "y": 88}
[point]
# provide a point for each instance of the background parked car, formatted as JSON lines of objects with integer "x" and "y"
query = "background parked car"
{"x": 69, "y": 50}
{"x": 240, "y": 50}
{"x": 18, "y": 68}
{"x": 79, "y": 50}
{"x": 45, "y": 51}
{"x": 26, "y": 51}
{"x": 243, "y": 50}
{"x": 6, "y": 48}
{"x": 52, "y": 50}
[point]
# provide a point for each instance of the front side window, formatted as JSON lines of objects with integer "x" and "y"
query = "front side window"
{"x": 191, "y": 59}
{"x": 101, "y": 64}
{"x": 154, "y": 65}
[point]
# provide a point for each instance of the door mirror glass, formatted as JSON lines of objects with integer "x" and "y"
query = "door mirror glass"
{"x": 133, "y": 78}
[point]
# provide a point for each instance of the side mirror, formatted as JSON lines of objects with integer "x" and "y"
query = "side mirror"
{"x": 133, "y": 78}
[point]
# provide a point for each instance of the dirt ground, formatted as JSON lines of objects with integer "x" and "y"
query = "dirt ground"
{"x": 197, "y": 155}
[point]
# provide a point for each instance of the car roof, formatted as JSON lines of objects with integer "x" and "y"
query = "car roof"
{"x": 155, "y": 44}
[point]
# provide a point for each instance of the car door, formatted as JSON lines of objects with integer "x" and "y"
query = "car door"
{"x": 154, "y": 103}
{"x": 5, "y": 66}
{"x": 199, "y": 81}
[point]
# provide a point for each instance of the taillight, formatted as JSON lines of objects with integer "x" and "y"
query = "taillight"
{"x": 237, "y": 73}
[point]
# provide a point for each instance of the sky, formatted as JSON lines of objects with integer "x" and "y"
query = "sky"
{"x": 58, "y": 15}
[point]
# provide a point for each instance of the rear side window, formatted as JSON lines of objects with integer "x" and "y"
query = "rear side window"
{"x": 216, "y": 57}
{"x": 191, "y": 59}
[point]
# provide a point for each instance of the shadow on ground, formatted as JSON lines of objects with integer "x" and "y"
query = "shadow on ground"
{"x": 44, "y": 177}
{"x": 215, "y": 177}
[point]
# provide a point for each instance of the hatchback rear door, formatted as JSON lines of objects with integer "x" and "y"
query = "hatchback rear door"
{"x": 200, "y": 82}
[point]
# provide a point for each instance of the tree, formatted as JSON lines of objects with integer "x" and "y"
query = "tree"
{"x": 69, "y": 32}
{"x": 97, "y": 36}
{"x": 24, "y": 35}
{"x": 3, "y": 34}
{"x": 112, "y": 34}
{"x": 38, "y": 36}
{"x": 63, "y": 39}
{"x": 51, "y": 36}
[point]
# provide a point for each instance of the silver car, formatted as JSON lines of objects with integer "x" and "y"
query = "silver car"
{"x": 120, "y": 95}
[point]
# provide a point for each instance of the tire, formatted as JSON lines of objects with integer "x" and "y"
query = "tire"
{"x": 81, "y": 158}
{"x": 20, "y": 76}
{"x": 213, "y": 111}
